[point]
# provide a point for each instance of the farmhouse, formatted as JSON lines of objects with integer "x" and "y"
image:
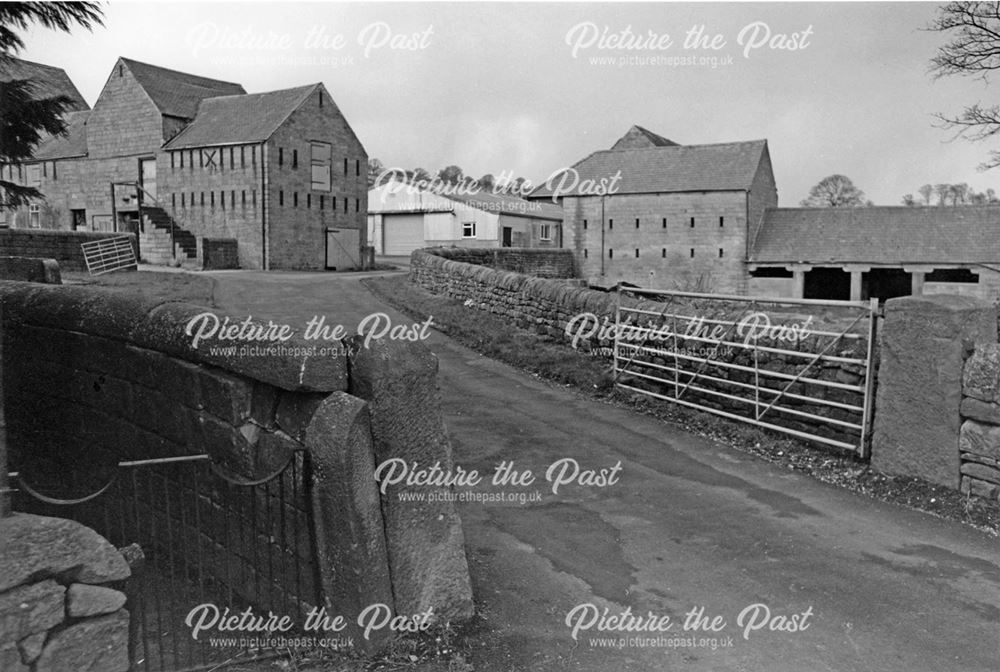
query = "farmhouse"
{"x": 674, "y": 216}
{"x": 405, "y": 217}
{"x": 182, "y": 158}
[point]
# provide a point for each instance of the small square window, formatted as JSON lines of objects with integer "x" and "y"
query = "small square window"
{"x": 545, "y": 231}
{"x": 468, "y": 229}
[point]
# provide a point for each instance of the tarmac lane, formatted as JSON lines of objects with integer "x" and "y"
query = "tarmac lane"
{"x": 694, "y": 557}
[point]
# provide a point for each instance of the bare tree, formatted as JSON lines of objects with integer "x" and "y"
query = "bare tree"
{"x": 926, "y": 192}
{"x": 973, "y": 50}
{"x": 835, "y": 191}
{"x": 943, "y": 191}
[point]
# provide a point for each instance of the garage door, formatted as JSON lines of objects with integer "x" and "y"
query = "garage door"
{"x": 402, "y": 234}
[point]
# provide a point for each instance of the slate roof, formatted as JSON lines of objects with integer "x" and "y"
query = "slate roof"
{"x": 509, "y": 205}
{"x": 177, "y": 94}
{"x": 678, "y": 168}
{"x": 50, "y": 81}
{"x": 73, "y": 144}
{"x": 885, "y": 235}
{"x": 638, "y": 137}
{"x": 232, "y": 120}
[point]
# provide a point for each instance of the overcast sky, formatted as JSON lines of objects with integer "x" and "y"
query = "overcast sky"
{"x": 531, "y": 88}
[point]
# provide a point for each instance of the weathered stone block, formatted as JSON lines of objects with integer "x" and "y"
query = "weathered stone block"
{"x": 30, "y": 609}
{"x": 40, "y": 546}
{"x": 10, "y": 659}
{"x": 982, "y": 411}
{"x": 981, "y": 472}
{"x": 980, "y": 439}
{"x": 31, "y": 647}
{"x": 977, "y": 488}
{"x": 93, "y": 645}
{"x": 425, "y": 541}
{"x": 350, "y": 535}
{"x": 918, "y": 418}
{"x": 981, "y": 378}
{"x": 86, "y": 600}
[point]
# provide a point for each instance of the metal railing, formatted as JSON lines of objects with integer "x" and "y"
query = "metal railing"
{"x": 205, "y": 536}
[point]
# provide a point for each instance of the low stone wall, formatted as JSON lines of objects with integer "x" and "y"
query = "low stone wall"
{"x": 63, "y": 246}
{"x": 979, "y": 439}
{"x": 87, "y": 371}
{"x": 60, "y": 607}
{"x": 219, "y": 253}
{"x": 547, "y": 306}
{"x": 539, "y": 263}
{"x": 30, "y": 270}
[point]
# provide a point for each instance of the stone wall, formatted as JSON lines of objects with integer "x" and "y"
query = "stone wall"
{"x": 114, "y": 377}
{"x": 540, "y": 263}
{"x": 649, "y": 240}
{"x": 63, "y": 246}
{"x": 938, "y": 407}
{"x": 61, "y": 609}
{"x": 30, "y": 269}
{"x": 219, "y": 253}
{"x": 546, "y": 306}
{"x": 979, "y": 438}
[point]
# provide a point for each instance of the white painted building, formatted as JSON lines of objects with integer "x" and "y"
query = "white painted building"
{"x": 403, "y": 218}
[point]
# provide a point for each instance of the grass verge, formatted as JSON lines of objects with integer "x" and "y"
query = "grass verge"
{"x": 494, "y": 337}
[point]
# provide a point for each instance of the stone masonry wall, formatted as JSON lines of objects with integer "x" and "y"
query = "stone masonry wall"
{"x": 63, "y": 246}
{"x": 298, "y": 215}
{"x": 121, "y": 379}
{"x": 61, "y": 609}
{"x": 529, "y": 261}
{"x": 546, "y": 306}
{"x": 979, "y": 439}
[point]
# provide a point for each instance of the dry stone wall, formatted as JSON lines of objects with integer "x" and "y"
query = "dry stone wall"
{"x": 63, "y": 246}
{"x": 979, "y": 440}
{"x": 61, "y": 609}
{"x": 540, "y": 263}
{"x": 547, "y": 306}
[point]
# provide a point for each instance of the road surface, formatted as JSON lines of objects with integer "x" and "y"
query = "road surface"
{"x": 687, "y": 524}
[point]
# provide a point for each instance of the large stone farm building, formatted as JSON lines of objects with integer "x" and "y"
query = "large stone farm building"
{"x": 282, "y": 173}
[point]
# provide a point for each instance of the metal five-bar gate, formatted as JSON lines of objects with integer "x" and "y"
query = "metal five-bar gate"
{"x": 798, "y": 366}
